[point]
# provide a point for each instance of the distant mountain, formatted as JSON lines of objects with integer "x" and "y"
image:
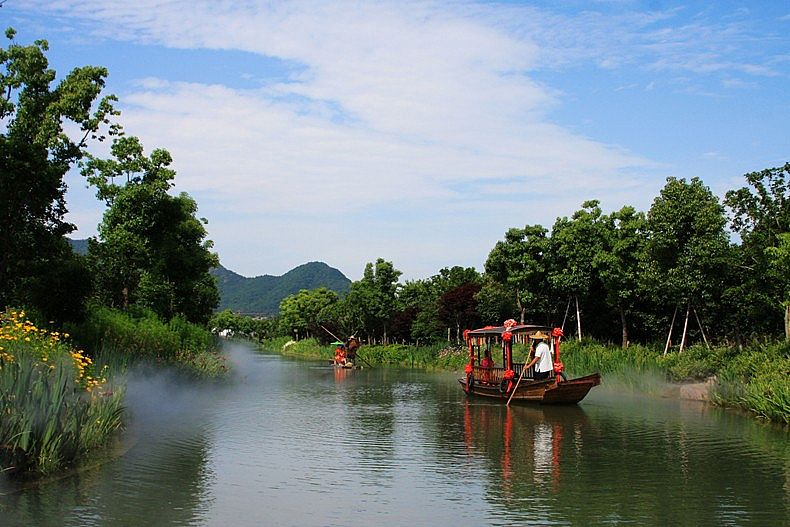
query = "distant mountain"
{"x": 79, "y": 246}
{"x": 263, "y": 294}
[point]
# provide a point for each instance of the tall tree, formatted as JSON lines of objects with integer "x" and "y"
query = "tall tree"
{"x": 304, "y": 312}
{"x": 687, "y": 246}
{"x": 518, "y": 264}
{"x": 618, "y": 262}
{"x": 760, "y": 214}
{"x": 152, "y": 249}
{"x": 779, "y": 267}
{"x": 35, "y": 154}
{"x": 373, "y": 298}
{"x": 575, "y": 243}
{"x": 458, "y": 307}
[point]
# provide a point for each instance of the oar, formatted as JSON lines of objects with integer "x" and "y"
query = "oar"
{"x": 523, "y": 369}
{"x": 363, "y": 360}
{"x": 330, "y": 333}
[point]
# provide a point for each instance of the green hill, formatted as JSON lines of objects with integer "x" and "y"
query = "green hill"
{"x": 262, "y": 294}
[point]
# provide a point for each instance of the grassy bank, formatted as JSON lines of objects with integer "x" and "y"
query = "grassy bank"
{"x": 56, "y": 407}
{"x": 755, "y": 379}
{"x": 123, "y": 338}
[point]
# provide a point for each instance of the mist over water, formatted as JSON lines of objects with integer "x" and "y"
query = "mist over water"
{"x": 284, "y": 442}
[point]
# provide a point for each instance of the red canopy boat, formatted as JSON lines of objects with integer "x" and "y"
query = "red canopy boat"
{"x": 512, "y": 382}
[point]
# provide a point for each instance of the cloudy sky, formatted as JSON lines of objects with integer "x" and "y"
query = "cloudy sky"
{"x": 421, "y": 131}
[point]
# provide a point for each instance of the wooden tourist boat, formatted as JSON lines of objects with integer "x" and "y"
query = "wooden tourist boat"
{"x": 511, "y": 382}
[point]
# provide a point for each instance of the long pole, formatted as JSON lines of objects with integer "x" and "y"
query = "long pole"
{"x": 685, "y": 328}
{"x": 566, "y": 313}
{"x": 523, "y": 369}
{"x": 669, "y": 337}
{"x": 701, "y": 329}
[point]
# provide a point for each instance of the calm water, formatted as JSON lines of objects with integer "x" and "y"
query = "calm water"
{"x": 297, "y": 443}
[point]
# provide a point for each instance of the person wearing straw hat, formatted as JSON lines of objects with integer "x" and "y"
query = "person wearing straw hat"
{"x": 543, "y": 356}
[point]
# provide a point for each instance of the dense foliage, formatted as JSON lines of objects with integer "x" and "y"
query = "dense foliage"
{"x": 151, "y": 250}
{"x": 36, "y": 266}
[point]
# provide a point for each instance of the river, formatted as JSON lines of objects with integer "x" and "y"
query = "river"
{"x": 295, "y": 443}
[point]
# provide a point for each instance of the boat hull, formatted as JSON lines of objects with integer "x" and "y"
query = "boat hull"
{"x": 547, "y": 391}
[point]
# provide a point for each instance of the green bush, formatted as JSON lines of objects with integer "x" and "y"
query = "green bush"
{"x": 120, "y": 336}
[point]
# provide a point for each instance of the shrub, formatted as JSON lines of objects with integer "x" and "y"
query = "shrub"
{"x": 141, "y": 335}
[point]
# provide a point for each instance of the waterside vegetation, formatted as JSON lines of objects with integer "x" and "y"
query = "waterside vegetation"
{"x": 56, "y": 404}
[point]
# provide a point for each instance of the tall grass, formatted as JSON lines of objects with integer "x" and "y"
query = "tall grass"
{"x": 55, "y": 408}
{"x": 122, "y": 337}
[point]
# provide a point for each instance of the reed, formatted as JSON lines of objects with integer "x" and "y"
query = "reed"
{"x": 55, "y": 407}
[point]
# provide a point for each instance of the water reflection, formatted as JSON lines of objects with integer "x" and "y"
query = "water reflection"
{"x": 155, "y": 474}
{"x": 299, "y": 443}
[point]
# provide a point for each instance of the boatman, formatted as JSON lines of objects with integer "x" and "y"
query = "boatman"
{"x": 352, "y": 344}
{"x": 543, "y": 356}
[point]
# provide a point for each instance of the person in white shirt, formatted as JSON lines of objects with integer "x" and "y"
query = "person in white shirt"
{"x": 543, "y": 357}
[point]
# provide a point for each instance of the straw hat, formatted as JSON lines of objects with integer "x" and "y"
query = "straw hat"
{"x": 539, "y": 335}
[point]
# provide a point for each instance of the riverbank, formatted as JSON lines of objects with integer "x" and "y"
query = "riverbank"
{"x": 755, "y": 379}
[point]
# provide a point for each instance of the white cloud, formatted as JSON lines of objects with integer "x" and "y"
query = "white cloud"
{"x": 419, "y": 109}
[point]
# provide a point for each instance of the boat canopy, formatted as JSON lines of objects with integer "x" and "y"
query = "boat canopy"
{"x": 497, "y": 331}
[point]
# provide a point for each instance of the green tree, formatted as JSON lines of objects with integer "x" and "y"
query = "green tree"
{"x": 518, "y": 263}
{"x": 687, "y": 246}
{"x": 779, "y": 267}
{"x": 417, "y": 307}
{"x": 575, "y": 243}
{"x": 618, "y": 262}
{"x": 35, "y": 154}
{"x": 152, "y": 249}
{"x": 304, "y": 312}
{"x": 458, "y": 307}
{"x": 760, "y": 214}
{"x": 372, "y": 301}
{"x": 495, "y": 303}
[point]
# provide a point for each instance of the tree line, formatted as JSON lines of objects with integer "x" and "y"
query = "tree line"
{"x": 627, "y": 276}
{"x": 151, "y": 253}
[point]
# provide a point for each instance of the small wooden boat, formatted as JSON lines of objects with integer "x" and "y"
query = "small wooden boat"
{"x": 346, "y": 365}
{"x": 346, "y": 354}
{"x": 512, "y": 382}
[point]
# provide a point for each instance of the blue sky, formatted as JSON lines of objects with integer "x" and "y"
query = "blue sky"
{"x": 421, "y": 131}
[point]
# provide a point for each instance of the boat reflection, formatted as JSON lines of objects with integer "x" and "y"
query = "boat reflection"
{"x": 523, "y": 447}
